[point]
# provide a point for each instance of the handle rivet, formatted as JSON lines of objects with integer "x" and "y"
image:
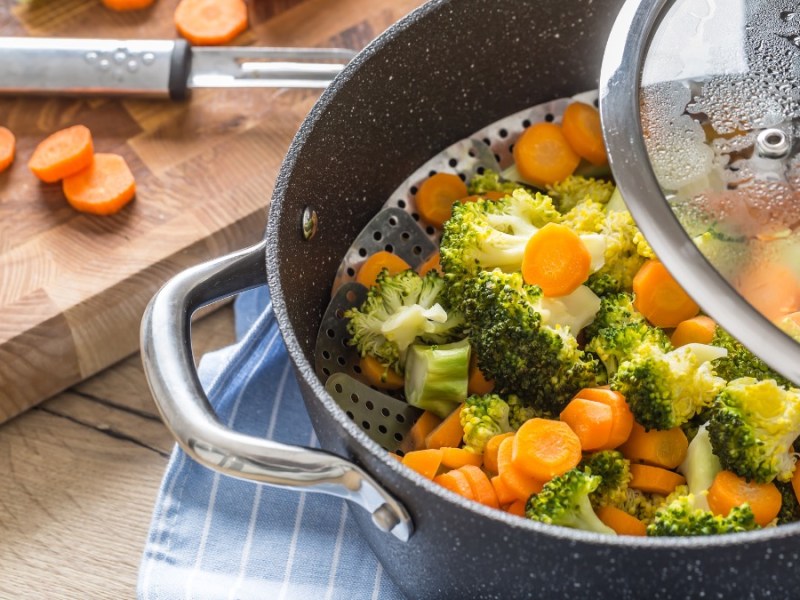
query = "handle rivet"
{"x": 310, "y": 223}
{"x": 772, "y": 143}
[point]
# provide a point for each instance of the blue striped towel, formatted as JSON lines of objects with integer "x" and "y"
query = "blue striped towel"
{"x": 216, "y": 537}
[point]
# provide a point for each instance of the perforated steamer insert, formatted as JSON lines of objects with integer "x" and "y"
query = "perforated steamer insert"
{"x": 397, "y": 228}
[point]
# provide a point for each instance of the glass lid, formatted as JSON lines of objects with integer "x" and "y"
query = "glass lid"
{"x": 700, "y": 102}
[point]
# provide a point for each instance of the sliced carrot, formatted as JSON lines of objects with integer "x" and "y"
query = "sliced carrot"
{"x": 666, "y": 448}
{"x": 729, "y": 490}
{"x": 544, "y": 448}
{"x": 436, "y": 196}
{"x": 522, "y": 484}
{"x": 210, "y": 22}
{"x": 591, "y": 421}
{"x": 771, "y": 288}
{"x": 517, "y": 508}
{"x": 370, "y": 269}
{"x": 488, "y": 195}
{"x": 620, "y": 521}
{"x": 477, "y": 383}
{"x": 491, "y": 449}
{"x": 581, "y": 126}
{"x": 622, "y": 417}
{"x": 447, "y": 433}
{"x": 455, "y": 458}
{"x": 482, "y": 488}
{"x": 424, "y": 462}
{"x": 378, "y": 375}
{"x": 556, "y": 259}
{"x": 796, "y": 483}
{"x": 655, "y": 480}
{"x": 8, "y": 147}
{"x": 415, "y": 438}
{"x": 456, "y": 482}
{"x": 103, "y": 188}
{"x": 505, "y": 495}
{"x": 62, "y": 154}
{"x": 123, "y": 5}
{"x": 697, "y": 330}
{"x": 659, "y": 297}
{"x": 543, "y": 156}
{"x": 432, "y": 264}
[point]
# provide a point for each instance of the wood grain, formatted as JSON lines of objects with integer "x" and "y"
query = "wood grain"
{"x": 73, "y": 287}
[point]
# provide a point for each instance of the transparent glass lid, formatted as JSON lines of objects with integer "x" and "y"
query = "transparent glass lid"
{"x": 716, "y": 88}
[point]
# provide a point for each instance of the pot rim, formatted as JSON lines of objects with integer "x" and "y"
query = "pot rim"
{"x": 305, "y": 370}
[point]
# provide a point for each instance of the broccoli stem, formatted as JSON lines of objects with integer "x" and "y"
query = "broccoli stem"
{"x": 437, "y": 376}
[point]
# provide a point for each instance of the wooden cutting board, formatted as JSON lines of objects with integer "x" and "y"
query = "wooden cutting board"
{"x": 73, "y": 287}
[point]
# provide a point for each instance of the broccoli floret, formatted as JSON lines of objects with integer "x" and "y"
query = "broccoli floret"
{"x": 790, "y": 326}
{"x": 574, "y": 189}
{"x": 666, "y": 389}
{"x": 700, "y": 467}
{"x": 399, "y": 310}
{"x": 790, "y": 507}
{"x": 681, "y": 517}
{"x": 482, "y": 418}
{"x": 619, "y": 330}
{"x": 753, "y": 426}
{"x": 489, "y": 234}
{"x": 740, "y": 362}
{"x": 437, "y": 376}
{"x": 564, "y": 500}
{"x": 516, "y": 347}
{"x": 490, "y": 181}
{"x": 518, "y": 413}
{"x": 615, "y": 475}
{"x": 642, "y": 505}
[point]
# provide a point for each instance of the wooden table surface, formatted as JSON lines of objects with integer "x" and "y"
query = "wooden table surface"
{"x": 82, "y": 469}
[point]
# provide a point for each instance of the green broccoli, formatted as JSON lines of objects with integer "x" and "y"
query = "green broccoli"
{"x": 700, "y": 467}
{"x": 790, "y": 507}
{"x": 790, "y": 326}
{"x": 753, "y": 426}
{"x": 615, "y": 475}
{"x": 619, "y": 330}
{"x": 574, "y": 189}
{"x": 740, "y": 362}
{"x": 399, "y": 310}
{"x": 642, "y": 505}
{"x": 437, "y": 376}
{"x": 666, "y": 389}
{"x": 490, "y": 181}
{"x": 482, "y": 418}
{"x": 681, "y": 517}
{"x": 516, "y": 346}
{"x": 564, "y": 500}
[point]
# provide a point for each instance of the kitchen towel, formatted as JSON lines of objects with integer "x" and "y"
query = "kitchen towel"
{"x": 214, "y": 537}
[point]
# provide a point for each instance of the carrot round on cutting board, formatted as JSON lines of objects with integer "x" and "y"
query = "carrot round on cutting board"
{"x": 370, "y": 269}
{"x": 581, "y": 126}
{"x": 8, "y": 147}
{"x": 123, "y": 5}
{"x": 729, "y": 490}
{"x": 62, "y": 154}
{"x": 103, "y": 188}
{"x": 660, "y": 298}
{"x": 544, "y": 448}
{"x": 543, "y": 155}
{"x": 556, "y": 259}
{"x": 210, "y": 22}
{"x": 436, "y": 196}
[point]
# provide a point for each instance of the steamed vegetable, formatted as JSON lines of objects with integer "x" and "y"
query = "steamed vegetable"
{"x": 436, "y": 376}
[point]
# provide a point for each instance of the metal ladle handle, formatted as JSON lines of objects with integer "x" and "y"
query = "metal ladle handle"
{"x": 171, "y": 375}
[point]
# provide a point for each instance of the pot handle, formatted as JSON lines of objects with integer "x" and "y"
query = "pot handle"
{"x": 171, "y": 375}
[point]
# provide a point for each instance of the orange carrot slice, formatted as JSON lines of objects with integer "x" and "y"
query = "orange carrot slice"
{"x": 379, "y": 375}
{"x": 522, "y": 484}
{"x": 517, "y": 508}
{"x": 544, "y": 448}
{"x": 447, "y": 433}
{"x": 556, "y": 259}
{"x": 415, "y": 438}
{"x": 697, "y": 330}
{"x": 581, "y": 126}
{"x": 620, "y": 521}
{"x": 505, "y": 495}
{"x": 796, "y": 483}
{"x": 622, "y": 417}
{"x": 8, "y": 146}
{"x": 424, "y": 462}
{"x": 455, "y": 458}
{"x": 491, "y": 449}
{"x": 370, "y": 269}
{"x": 457, "y": 482}
{"x": 482, "y": 488}
{"x": 432, "y": 264}
{"x": 655, "y": 480}
{"x": 477, "y": 382}
{"x": 436, "y": 196}
{"x": 543, "y": 155}
{"x": 591, "y": 421}
{"x": 729, "y": 490}
{"x": 659, "y": 297}
{"x": 665, "y": 448}
{"x": 124, "y": 5}
{"x": 62, "y": 154}
{"x": 103, "y": 188}
{"x": 771, "y": 288}
{"x": 210, "y": 22}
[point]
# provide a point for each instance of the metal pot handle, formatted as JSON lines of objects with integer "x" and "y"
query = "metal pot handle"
{"x": 169, "y": 367}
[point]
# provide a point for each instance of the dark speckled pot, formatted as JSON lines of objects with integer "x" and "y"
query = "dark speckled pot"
{"x": 443, "y": 72}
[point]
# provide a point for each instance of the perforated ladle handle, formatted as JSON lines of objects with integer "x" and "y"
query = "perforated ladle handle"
{"x": 169, "y": 368}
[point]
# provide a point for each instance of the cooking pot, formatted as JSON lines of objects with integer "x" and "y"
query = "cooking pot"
{"x": 444, "y": 71}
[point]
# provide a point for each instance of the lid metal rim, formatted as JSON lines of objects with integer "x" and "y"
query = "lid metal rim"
{"x": 620, "y": 80}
